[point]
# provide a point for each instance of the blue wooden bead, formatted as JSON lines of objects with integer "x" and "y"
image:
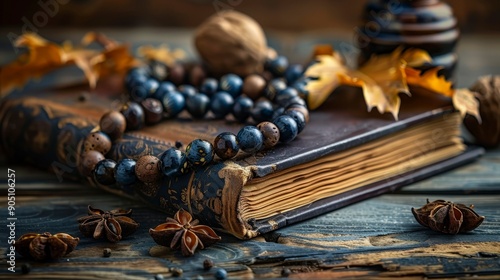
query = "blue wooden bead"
{"x": 163, "y": 88}
{"x": 209, "y": 86}
{"x": 144, "y": 90}
{"x": 125, "y": 172}
{"x": 288, "y": 128}
{"x": 199, "y": 152}
{"x": 300, "y": 86}
{"x": 278, "y": 65}
{"x": 221, "y": 104}
{"x": 187, "y": 90}
{"x": 250, "y": 139}
{"x": 198, "y": 105}
{"x": 298, "y": 117}
{"x": 220, "y": 274}
{"x": 172, "y": 161}
{"x": 135, "y": 77}
{"x": 293, "y": 72}
{"x": 242, "y": 107}
{"x": 134, "y": 115}
{"x": 225, "y": 145}
{"x": 232, "y": 84}
{"x": 173, "y": 103}
{"x": 262, "y": 111}
{"x": 284, "y": 96}
{"x": 274, "y": 86}
{"x": 104, "y": 172}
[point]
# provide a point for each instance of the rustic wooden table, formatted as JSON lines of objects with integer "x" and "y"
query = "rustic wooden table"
{"x": 376, "y": 238}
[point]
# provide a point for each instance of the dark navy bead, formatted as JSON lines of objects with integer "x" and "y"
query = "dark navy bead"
{"x": 250, "y": 139}
{"x": 163, "y": 88}
{"x": 225, "y": 145}
{"x": 278, "y": 66}
{"x": 125, "y": 172}
{"x": 293, "y": 72}
{"x": 144, "y": 90}
{"x": 294, "y": 101}
{"x": 283, "y": 97}
{"x": 197, "y": 105}
{"x": 299, "y": 118}
{"x": 187, "y": 90}
{"x": 171, "y": 162}
{"x": 136, "y": 76}
{"x": 209, "y": 86}
{"x": 138, "y": 71}
{"x": 242, "y": 107}
{"x": 221, "y": 104}
{"x": 134, "y": 115}
{"x": 220, "y": 274}
{"x": 173, "y": 103}
{"x": 300, "y": 86}
{"x": 272, "y": 89}
{"x": 287, "y": 127}
{"x": 232, "y": 84}
{"x": 135, "y": 81}
{"x": 301, "y": 108}
{"x": 262, "y": 111}
{"x": 199, "y": 152}
{"x": 278, "y": 112}
{"x": 186, "y": 165}
{"x": 104, "y": 172}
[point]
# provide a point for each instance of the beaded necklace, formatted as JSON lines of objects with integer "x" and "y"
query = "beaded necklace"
{"x": 279, "y": 111}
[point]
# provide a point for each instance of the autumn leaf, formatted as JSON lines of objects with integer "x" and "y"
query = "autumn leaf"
{"x": 463, "y": 99}
{"x": 162, "y": 54}
{"x": 382, "y": 78}
{"x": 324, "y": 76}
{"x": 430, "y": 80}
{"x": 43, "y": 57}
{"x": 465, "y": 102}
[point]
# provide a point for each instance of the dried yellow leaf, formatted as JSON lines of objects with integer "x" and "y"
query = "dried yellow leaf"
{"x": 324, "y": 74}
{"x": 382, "y": 78}
{"x": 162, "y": 54}
{"x": 465, "y": 102}
{"x": 44, "y": 56}
{"x": 430, "y": 81}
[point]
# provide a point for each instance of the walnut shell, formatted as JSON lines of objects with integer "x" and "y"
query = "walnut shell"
{"x": 487, "y": 133}
{"x": 231, "y": 42}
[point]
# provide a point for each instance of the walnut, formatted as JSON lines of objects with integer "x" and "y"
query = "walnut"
{"x": 487, "y": 133}
{"x": 231, "y": 42}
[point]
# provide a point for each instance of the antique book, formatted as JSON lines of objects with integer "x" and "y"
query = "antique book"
{"x": 344, "y": 155}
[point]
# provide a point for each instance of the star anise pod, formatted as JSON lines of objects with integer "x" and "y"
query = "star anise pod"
{"x": 113, "y": 225}
{"x": 185, "y": 233}
{"x": 46, "y": 246}
{"x": 447, "y": 217}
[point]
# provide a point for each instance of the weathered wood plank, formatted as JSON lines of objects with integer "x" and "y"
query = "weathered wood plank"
{"x": 479, "y": 177}
{"x": 377, "y": 237}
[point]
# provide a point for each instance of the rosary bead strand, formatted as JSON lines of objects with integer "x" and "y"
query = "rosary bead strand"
{"x": 152, "y": 100}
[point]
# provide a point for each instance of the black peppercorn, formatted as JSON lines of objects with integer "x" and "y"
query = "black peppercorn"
{"x": 176, "y": 272}
{"x": 208, "y": 264}
{"x": 106, "y": 252}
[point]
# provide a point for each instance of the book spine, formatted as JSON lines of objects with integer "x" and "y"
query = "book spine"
{"x": 51, "y": 137}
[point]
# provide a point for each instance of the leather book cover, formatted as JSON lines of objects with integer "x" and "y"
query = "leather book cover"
{"x": 47, "y": 129}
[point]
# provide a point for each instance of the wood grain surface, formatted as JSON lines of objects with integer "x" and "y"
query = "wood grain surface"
{"x": 374, "y": 238}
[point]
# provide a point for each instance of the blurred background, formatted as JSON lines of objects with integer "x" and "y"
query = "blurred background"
{"x": 478, "y": 16}
{"x": 292, "y": 27}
